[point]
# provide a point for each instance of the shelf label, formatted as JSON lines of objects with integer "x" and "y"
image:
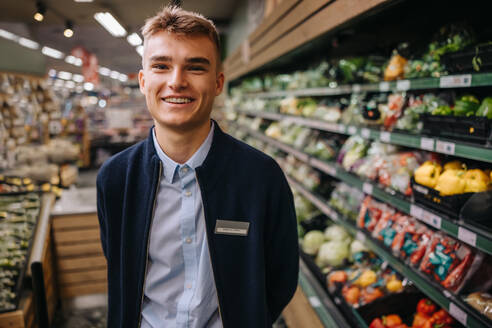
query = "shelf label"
{"x": 467, "y": 236}
{"x": 416, "y": 211}
{"x": 427, "y": 143}
{"x": 341, "y": 128}
{"x": 356, "y": 88}
{"x": 366, "y": 133}
{"x": 457, "y": 313}
{"x": 385, "y": 137}
{"x": 384, "y": 86}
{"x": 315, "y": 302}
{"x": 352, "y": 130}
{"x": 403, "y": 85}
{"x": 360, "y": 236}
{"x": 367, "y": 188}
{"x": 455, "y": 81}
{"x": 445, "y": 147}
{"x": 446, "y": 293}
{"x": 431, "y": 219}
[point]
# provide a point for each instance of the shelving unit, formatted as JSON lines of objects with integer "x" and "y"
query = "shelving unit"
{"x": 455, "y": 306}
{"x": 464, "y": 232}
{"x": 439, "y": 145}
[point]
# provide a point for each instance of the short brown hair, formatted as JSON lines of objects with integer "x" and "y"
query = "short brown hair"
{"x": 179, "y": 21}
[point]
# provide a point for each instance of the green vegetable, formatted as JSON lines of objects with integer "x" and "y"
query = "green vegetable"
{"x": 485, "y": 108}
{"x": 312, "y": 241}
{"x": 337, "y": 233}
{"x": 442, "y": 110}
{"x": 466, "y": 106}
{"x": 332, "y": 253}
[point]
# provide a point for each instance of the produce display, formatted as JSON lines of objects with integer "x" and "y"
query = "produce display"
{"x": 18, "y": 217}
{"x": 346, "y": 200}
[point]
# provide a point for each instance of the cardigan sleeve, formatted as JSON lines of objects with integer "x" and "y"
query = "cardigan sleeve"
{"x": 101, "y": 214}
{"x": 282, "y": 250}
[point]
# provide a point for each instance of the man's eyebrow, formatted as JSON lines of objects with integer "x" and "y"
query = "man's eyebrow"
{"x": 198, "y": 60}
{"x": 160, "y": 58}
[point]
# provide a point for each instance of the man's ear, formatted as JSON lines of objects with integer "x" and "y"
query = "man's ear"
{"x": 141, "y": 81}
{"x": 219, "y": 83}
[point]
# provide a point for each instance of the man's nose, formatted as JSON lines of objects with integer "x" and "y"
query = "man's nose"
{"x": 178, "y": 80}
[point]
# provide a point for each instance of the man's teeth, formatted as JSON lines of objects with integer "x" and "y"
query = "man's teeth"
{"x": 178, "y": 100}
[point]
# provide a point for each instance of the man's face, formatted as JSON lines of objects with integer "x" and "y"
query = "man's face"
{"x": 180, "y": 79}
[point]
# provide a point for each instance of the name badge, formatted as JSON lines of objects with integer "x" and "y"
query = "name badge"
{"x": 235, "y": 228}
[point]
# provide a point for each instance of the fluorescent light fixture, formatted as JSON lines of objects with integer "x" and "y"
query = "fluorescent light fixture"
{"x": 70, "y": 84}
{"x": 139, "y": 50}
{"x": 78, "y": 62}
{"x": 52, "y": 73}
{"x": 7, "y": 35}
{"x": 65, "y": 75}
{"x": 52, "y": 52}
{"x": 78, "y": 78}
{"x": 134, "y": 39}
{"x": 104, "y": 71}
{"x": 73, "y": 60}
{"x": 28, "y": 43}
{"x": 114, "y": 75}
{"x": 84, "y": 0}
{"x": 110, "y": 24}
{"x": 123, "y": 78}
{"x": 88, "y": 86}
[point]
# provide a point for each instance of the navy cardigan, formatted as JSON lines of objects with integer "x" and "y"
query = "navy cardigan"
{"x": 255, "y": 275}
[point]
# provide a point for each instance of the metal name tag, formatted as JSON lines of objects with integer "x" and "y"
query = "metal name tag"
{"x": 235, "y": 228}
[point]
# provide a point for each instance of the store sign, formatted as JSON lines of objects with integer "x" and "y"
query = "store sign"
{"x": 90, "y": 66}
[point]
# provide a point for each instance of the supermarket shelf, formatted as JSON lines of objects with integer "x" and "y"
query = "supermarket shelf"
{"x": 450, "y": 81}
{"x": 327, "y": 312}
{"x": 455, "y": 306}
{"x": 439, "y": 145}
{"x": 466, "y": 233}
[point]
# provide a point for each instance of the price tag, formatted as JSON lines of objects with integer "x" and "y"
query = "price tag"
{"x": 366, "y": 133}
{"x": 416, "y": 211}
{"x": 315, "y": 302}
{"x": 467, "y": 236}
{"x": 431, "y": 219}
{"x": 403, "y": 85}
{"x": 352, "y": 130}
{"x": 356, "y": 88}
{"x": 446, "y": 293}
{"x": 427, "y": 143}
{"x": 367, "y": 188}
{"x": 457, "y": 313}
{"x": 385, "y": 137}
{"x": 445, "y": 147}
{"x": 455, "y": 81}
{"x": 384, "y": 86}
{"x": 360, "y": 236}
{"x": 341, "y": 128}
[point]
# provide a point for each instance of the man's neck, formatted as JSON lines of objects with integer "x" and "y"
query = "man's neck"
{"x": 178, "y": 145}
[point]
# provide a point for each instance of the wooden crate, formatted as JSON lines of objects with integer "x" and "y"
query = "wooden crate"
{"x": 24, "y": 317}
{"x": 80, "y": 263}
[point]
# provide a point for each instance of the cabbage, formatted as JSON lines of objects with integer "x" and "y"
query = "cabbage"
{"x": 312, "y": 241}
{"x": 336, "y": 232}
{"x": 332, "y": 253}
{"x": 357, "y": 247}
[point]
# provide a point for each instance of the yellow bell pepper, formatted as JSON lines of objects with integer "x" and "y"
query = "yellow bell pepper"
{"x": 394, "y": 285}
{"x": 456, "y": 165}
{"x": 476, "y": 181}
{"x": 428, "y": 174}
{"x": 451, "y": 182}
{"x": 367, "y": 278}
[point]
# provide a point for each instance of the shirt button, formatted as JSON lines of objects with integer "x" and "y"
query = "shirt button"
{"x": 184, "y": 169}
{"x": 188, "y": 193}
{"x": 188, "y": 286}
{"x": 188, "y": 240}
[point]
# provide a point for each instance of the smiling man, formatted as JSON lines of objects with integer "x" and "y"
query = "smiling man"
{"x": 198, "y": 228}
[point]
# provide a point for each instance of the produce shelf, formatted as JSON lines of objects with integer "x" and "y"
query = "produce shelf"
{"x": 455, "y": 306}
{"x": 439, "y": 145}
{"x": 464, "y": 232}
{"x": 449, "y": 81}
{"x": 327, "y": 312}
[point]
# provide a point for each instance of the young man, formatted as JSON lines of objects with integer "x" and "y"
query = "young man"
{"x": 198, "y": 228}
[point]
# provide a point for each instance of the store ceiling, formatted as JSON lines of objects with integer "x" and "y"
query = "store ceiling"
{"x": 115, "y": 53}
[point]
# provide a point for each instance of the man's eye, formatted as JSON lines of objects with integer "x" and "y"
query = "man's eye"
{"x": 160, "y": 66}
{"x": 197, "y": 68}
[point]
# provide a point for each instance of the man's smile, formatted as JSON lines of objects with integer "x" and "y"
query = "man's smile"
{"x": 177, "y": 100}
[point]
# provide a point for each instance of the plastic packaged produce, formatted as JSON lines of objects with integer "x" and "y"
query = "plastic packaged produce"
{"x": 354, "y": 149}
{"x": 482, "y": 302}
{"x": 466, "y": 105}
{"x": 485, "y": 108}
{"x": 411, "y": 240}
{"x": 386, "y": 228}
{"x": 371, "y": 212}
{"x": 346, "y": 200}
{"x": 448, "y": 261}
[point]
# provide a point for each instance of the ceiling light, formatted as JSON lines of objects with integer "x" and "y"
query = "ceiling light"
{"x": 65, "y": 75}
{"x": 40, "y": 11}
{"x": 102, "y": 103}
{"x": 7, "y": 35}
{"x": 134, "y": 39}
{"x": 52, "y": 73}
{"x": 110, "y": 24}
{"x": 139, "y": 50}
{"x": 123, "y": 77}
{"x": 78, "y": 78}
{"x": 78, "y": 62}
{"x": 114, "y": 75}
{"x": 104, "y": 71}
{"x": 68, "y": 33}
{"x": 88, "y": 86}
{"x": 28, "y": 43}
{"x": 52, "y": 52}
{"x": 83, "y": 0}
{"x": 70, "y": 59}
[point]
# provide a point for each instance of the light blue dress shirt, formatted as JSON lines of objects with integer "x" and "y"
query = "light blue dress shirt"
{"x": 179, "y": 287}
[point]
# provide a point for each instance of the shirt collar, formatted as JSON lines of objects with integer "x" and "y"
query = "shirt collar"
{"x": 170, "y": 166}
